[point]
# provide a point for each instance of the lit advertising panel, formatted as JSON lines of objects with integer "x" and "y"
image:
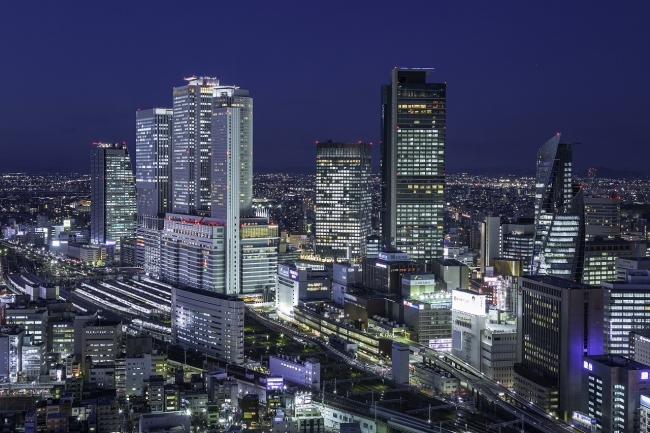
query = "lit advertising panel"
{"x": 471, "y": 303}
{"x": 274, "y": 383}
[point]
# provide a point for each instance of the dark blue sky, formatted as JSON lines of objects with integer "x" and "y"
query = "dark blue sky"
{"x": 517, "y": 72}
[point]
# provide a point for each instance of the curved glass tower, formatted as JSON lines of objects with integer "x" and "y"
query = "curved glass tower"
{"x": 559, "y": 214}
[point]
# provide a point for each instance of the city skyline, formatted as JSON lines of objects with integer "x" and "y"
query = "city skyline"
{"x": 514, "y": 74}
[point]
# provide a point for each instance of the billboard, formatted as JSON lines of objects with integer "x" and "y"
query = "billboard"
{"x": 274, "y": 383}
{"x": 288, "y": 272}
{"x": 394, "y": 257}
{"x": 468, "y": 302}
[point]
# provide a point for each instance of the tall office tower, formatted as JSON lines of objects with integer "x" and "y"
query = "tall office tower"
{"x": 559, "y": 214}
{"x": 559, "y": 321}
{"x": 413, "y": 164}
{"x": 490, "y": 241}
{"x": 603, "y": 216}
{"x": 153, "y": 162}
{"x": 191, "y": 143}
{"x": 112, "y": 195}
{"x": 232, "y": 171}
{"x": 153, "y": 167}
{"x": 625, "y": 304}
{"x": 343, "y": 199}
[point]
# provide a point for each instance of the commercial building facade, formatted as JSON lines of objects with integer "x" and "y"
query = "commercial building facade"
{"x": 559, "y": 214}
{"x": 413, "y": 163}
{"x": 208, "y": 322}
{"x": 625, "y": 310}
{"x": 153, "y": 161}
{"x": 112, "y": 195}
{"x": 191, "y": 145}
{"x": 343, "y": 199}
{"x": 558, "y": 322}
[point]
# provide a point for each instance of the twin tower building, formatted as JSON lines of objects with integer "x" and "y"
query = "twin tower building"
{"x": 194, "y": 176}
{"x": 196, "y": 224}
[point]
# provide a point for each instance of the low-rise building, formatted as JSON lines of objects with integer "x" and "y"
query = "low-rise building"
{"x": 294, "y": 370}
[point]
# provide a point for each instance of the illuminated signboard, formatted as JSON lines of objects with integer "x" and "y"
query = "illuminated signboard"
{"x": 587, "y": 365}
{"x": 583, "y": 419}
{"x": 293, "y": 274}
{"x": 644, "y": 375}
{"x": 394, "y": 257}
{"x": 645, "y": 401}
{"x": 414, "y": 305}
{"x": 283, "y": 271}
{"x": 420, "y": 282}
{"x": 467, "y": 302}
{"x": 274, "y": 383}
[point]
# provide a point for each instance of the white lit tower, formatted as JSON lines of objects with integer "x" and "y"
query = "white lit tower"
{"x": 251, "y": 241}
{"x": 191, "y": 144}
{"x": 112, "y": 195}
{"x": 343, "y": 199}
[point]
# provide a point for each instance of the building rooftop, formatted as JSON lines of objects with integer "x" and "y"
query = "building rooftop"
{"x": 618, "y": 361}
{"x": 559, "y": 282}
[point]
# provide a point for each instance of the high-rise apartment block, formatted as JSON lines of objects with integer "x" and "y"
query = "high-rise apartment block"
{"x": 559, "y": 214}
{"x": 413, "y": 164}
{"x": 191, "y": 145}
{"x": 153, "y": 166}
{"x": 112, "y": 195}
{"x": 559, "y": 321}
{"x": 343, "y": 199}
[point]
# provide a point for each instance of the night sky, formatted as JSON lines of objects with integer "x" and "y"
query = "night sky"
{"x": 517, "y": 72}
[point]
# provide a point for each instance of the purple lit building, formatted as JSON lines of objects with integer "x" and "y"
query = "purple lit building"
{"x": 559, "y": 322}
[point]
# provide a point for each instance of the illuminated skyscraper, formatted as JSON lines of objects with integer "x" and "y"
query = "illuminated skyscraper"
{"x": 153, "y": 147}
{"x": 413, "y": 164}
{"x": 153, "y": 168}
{"x": 343, "y": 199}
{"x": 112, "y": 195}
{"x": 191, "y": 143}
{"x": 559, "y": 214}
{"x": 251, "y": 241}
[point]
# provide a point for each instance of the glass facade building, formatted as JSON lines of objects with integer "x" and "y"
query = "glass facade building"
{"x": 112, "y": 195}
{"x": 259, "y": 258}
{"x": 413, "y": 164}
{"x": 559, "y": 214}
{"x": 625, "y": 307}
{"x": 153, "y": 147}
{"x": 191, "y": 143}
{"x": 343, "y": 199}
